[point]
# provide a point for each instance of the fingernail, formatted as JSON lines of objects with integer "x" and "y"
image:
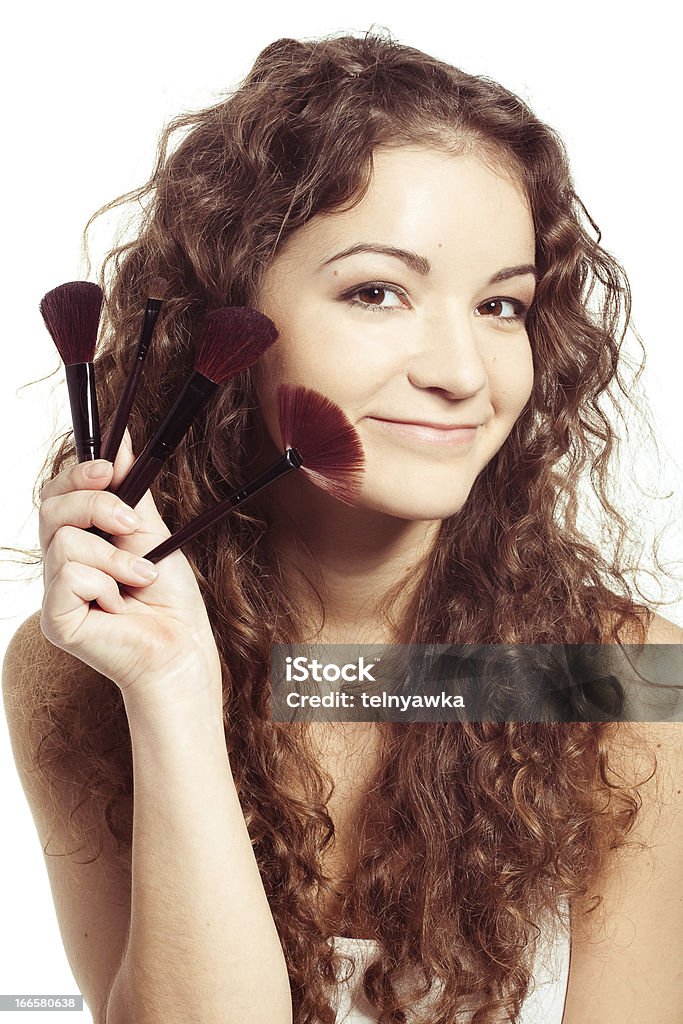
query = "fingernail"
{"x": 126, "y": 516}
{"x": 97, "y": 469}
{"x": 147, "y": 570}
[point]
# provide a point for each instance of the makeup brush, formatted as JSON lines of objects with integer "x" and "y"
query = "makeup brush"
{"x": 319, "y": 440}
{"x": 231, "y": 340}
{"x": 149, "y": 319}
{"x": 72, "y": 315}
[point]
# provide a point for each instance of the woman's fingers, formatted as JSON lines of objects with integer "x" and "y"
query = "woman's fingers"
{"x": 72, "y": 546}
{"x": 67, "y": 599}
{"x": 82, "y": 496}
{"x": 85, "y": 509}
{"x": 81, "y": 477}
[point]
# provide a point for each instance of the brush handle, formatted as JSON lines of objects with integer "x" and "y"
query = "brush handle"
{"x": 120, "y": 421}
{"x": 194, "y": 395}
{"x": 80, "y": 381}
{"x": 285, "y": 464}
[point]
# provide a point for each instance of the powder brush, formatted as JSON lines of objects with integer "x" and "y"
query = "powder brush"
{"x": 318, "y": 439}
{"x": 125, "y": 404}
{"x": 231, "y": 339}
{"x": 72, "y": 316}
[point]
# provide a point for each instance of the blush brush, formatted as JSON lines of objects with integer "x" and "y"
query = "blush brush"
{"x": 72, "y": 316}
{"x": 125, "y": 404}
{"x": 318, "y": 439}
{"x": 231, "y": 340}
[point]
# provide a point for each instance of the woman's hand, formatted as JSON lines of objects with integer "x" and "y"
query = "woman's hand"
{"x": 153, "y": 638}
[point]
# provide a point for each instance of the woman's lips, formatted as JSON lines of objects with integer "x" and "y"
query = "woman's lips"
{"x": 458, "y": 436}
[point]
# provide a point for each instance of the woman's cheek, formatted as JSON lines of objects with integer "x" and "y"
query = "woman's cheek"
{"x": 511, "y": 378}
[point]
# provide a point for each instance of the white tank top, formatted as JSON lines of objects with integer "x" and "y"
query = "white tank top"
{"x": 543, "y": 1005}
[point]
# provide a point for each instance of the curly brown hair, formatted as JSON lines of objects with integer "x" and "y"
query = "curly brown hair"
{"x": 471, "y": 832}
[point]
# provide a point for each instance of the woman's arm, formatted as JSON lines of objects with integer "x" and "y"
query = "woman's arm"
{"x": 192, "y": 936}
{"x": 627, "y": 957}
{"x": 91, "y": 897}
{"x": 202, "y": 943}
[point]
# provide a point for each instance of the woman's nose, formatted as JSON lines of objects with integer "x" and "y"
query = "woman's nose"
{"x": 449, "y": 357}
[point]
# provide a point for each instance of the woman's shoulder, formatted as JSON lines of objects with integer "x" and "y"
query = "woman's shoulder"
{"x": 653, "y": 751}
{"x": 658, "y": 630}
{"x": 631, "y": 623}
{"x": 40, "y": 683}
{"x": 29, "y": 647}
{"x": 654, "y": 734}
{"x": 67, "y": 733}
{"x": 625, "y": 958}
{"x": 33, "y": 665}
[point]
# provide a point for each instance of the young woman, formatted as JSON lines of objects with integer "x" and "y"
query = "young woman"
{"x": 414, "y": 234}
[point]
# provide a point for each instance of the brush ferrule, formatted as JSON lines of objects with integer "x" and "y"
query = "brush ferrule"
{"x": 290, "y": 460}
{"x": 149, "y": 320}
{"x": 118, "y": 427}
{"x": 194, "y": 395}
{"x": 80, "y": 381}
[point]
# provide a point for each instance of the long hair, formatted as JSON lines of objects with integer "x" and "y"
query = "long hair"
{"x": 471, "y": 832}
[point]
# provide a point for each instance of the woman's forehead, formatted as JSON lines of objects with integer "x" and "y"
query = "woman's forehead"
{"x": 423, "y": 198}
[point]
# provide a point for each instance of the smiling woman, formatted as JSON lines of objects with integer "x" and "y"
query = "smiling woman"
{"x": 414, "y": 233}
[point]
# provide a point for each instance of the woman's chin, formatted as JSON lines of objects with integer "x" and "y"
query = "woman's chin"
{"x": 414, "y": 506}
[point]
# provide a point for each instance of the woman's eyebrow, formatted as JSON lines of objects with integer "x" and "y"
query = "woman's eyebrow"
{"x": 420, "y": 264}
{"x": 520, "y": 271}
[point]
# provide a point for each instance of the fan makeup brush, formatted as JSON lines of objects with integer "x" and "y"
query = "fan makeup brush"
{"x": 231, "y": 340}
{"x": 318, "y": 439}
{"x": 149, "y": 319}
{"x": 72, "y": 315}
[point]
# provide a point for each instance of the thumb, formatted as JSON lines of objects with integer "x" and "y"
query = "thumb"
{"x": 124, "y": 460}
{"x": 152, "y": 525}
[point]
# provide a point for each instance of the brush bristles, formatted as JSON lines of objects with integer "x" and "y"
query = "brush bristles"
{"x": 232, "y": 339}
{"x": 326, "y": 440}
{"x": 72, "y": 316}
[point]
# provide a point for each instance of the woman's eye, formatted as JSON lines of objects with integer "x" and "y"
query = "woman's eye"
{"x": 505, "y": 310}
{"x": 376, "y": 296}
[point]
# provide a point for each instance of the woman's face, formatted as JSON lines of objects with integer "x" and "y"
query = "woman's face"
{"x": 408, "y": 312}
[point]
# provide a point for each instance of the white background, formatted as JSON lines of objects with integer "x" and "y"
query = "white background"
{"x": 87, "y": 89}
